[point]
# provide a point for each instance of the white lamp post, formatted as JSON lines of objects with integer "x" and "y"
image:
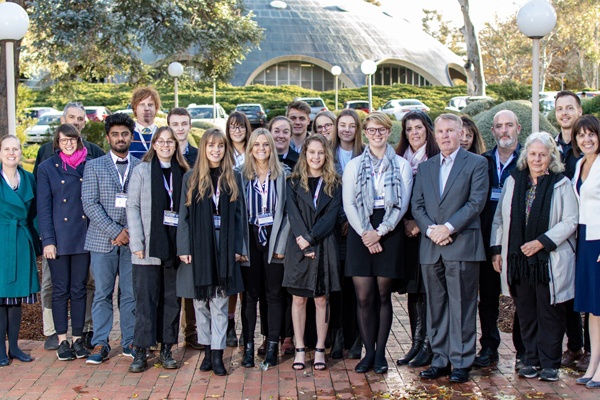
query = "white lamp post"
{"x": 14, "y": 23}
{"x": 175, "y": 70}
{"x": 368, "y": 67}
{"x": 336, "y": 71}
{"x": 536, "y": 19}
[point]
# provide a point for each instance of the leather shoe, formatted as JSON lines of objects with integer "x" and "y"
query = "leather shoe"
{"x": 459, "y": 375}
{"x": 380, "y": 369}
{"x": 4, "y": 362}
{"x": 584, "y": 362}
{"x": 363, "y": 366}
{"x": 570, "y": 358}
{"x": 486, "y": 357}
{"x": 21, "y": 356}
{"x": 435, "y": 372}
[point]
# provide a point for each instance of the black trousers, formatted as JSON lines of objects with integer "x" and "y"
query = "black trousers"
{"x": 578, "y": 333}
{"x": 261, "y": 274}
{"x": 69, "y": 274}
{"x": 542, "y": 324}
{"x": 489, "y": 303}
{"x": 157, "y": 306}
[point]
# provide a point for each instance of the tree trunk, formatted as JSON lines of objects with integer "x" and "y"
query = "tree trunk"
{"x": 3, "y": 105}
{"x": 474, "y": 66}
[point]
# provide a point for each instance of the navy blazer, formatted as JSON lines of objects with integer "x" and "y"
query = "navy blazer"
{"x": 61, "y": 219}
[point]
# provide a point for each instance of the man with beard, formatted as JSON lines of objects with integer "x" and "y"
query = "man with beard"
{"x": 502, "y": 159}
{"x": 145, "y": 102}
{"x": 567, "y": 108}
{"x": 104, "y": 197}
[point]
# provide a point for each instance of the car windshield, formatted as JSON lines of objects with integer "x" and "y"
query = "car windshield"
{"x": 315, "y": 102}
{"x": 409, "y": 103}
{"x": 198, "y": 113}
{"x": 246, "y": 109}
{"x": 47, "y": 119}
{"x": 358, "y": 105}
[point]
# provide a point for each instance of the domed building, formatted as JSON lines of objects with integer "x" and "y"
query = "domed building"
{"x": 304, "y": 39}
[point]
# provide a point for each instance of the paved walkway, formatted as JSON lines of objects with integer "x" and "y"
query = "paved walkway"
{"x": 47, "y": 378}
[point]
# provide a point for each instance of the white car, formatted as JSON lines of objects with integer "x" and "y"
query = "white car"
{"x": 43, "y": 130}
{"x": 400, "y": 107}
{"x": 457, "y": 103}
{"x": 206, "y": 113}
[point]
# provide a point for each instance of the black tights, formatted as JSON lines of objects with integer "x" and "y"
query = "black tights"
{"x": 374, "y": 313}
{"x": 10, "y": 322}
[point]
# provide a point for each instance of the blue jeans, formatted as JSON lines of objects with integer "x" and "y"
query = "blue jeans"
{"x": 106, "y": 267}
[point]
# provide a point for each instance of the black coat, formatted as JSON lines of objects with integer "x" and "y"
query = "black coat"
{"x": 317, "y": 227}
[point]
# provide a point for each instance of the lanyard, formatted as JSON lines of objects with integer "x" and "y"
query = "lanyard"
{"x": 376, "y": 176}
{"x": 263, "y": 191}
{"x": 143, "y": 140}
{"x": 500, "y": 170}
{"x": 123, "y": 179}
{"x": 216, "y": 198}
{"x": 169, "y": 188}
{"x": 316, "y": 196}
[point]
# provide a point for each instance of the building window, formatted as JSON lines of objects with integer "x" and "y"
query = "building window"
{"x": 306, "y": 75}
{"x": 389, "y": 74}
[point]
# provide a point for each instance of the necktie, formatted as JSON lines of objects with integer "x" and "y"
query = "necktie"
{"x": 146, "y": 131}
{"x": 122, "y": 167}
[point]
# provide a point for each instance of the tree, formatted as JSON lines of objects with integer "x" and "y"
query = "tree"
{"x": 474, "y": 65}
{"x": 440, "y": 29}
{"x": 3, "y": 86}
{"x": 94, "y": 39}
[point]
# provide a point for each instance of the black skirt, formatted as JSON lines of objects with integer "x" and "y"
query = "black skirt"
{"x": 387, "y": 264}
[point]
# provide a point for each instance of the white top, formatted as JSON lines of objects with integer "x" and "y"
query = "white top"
{"x": 589, "y": 199}
{"x": 349, "y": 185}
{"x": 344, "y": 156}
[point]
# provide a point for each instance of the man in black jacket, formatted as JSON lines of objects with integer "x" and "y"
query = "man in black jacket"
{"x": 74, "y": 114}
{"x": 502, "y": 159}
{"x": 180, "y": 120}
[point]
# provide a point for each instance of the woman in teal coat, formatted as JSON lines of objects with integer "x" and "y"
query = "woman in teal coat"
{"x": 18, "y": 271}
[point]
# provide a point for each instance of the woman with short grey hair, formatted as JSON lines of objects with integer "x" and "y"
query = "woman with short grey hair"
{"x": 533, "y": 247}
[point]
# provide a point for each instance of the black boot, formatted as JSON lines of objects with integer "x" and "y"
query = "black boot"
{"x": 355, "y": 351}
{"x": 217, "y": 362}
{"x": 166, "y": 357}
{"x": 424, "y": 356}
{"x": 231, "y": 340}
{"x": 140, "y": 361}
{"x": 248, "y": 360}
{"x": 337, "y": 348}
{"x": 207, "y": 361}
{"x": 271, "y": 357}
{"x": 416, "y": 315}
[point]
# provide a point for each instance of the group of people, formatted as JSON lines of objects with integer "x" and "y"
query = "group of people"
{"x": 276, "y": 216}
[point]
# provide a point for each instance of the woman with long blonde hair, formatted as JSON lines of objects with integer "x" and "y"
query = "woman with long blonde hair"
{"x": 314, "y": 198}
{"x": 210, "y": 242}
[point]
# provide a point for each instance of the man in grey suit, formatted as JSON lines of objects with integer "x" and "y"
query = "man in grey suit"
{"x": 104, "y": 196}
{"x": 449, "y": 194}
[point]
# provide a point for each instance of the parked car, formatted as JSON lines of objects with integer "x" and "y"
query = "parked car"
{"x": 547, "y": 100}
{"x": 400, "y": 107}
{"x": 255, "y": 113}
{"x": 36, "y": 112}
{"x": 206, "y": 113}
{"x": 127, "y": 111}
{"x": 42, "y": 131}
{"x": 316, "y": 105}
{"x": 459, "y": 102}
{"x": 362, "y": 105}
{"x": 97, "y": 113}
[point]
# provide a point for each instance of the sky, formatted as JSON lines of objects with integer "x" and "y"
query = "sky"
{"x": 481, "y": 11}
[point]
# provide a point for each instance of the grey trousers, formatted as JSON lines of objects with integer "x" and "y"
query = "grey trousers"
{"x": 46, "y": 295}
{"x": 211, "y": 321}
{"x": 451, "y": 288}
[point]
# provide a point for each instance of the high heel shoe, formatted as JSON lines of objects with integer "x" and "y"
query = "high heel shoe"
{"x": 20, "y": 356}
{"x": 320, "y": 365}
{"x": 297, "y": 365}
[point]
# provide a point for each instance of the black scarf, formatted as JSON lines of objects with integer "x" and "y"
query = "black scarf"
{"x": 163, "y": 237}
{"x": 213, "y": 258}
{"x": 534, "y": 269}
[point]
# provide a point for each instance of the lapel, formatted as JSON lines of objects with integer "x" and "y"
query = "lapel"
{"x": 459, "y": 163}
{"x": 22, "y": 195}
{"x": 435, "y": 174}
{"x": 112, "y": 170}
{"x": 304, "y": 195}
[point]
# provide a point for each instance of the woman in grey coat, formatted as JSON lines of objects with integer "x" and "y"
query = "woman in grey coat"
{"x": 152, "y": 217}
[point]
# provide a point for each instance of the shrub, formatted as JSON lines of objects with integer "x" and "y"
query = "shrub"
{"x": 30, "y": 152}
{"x": 523, "y": 111}
{"x": 203, "y": 125}
{"x": 591, "y": 106}
{"x": 511, "y": 90}
{"x": 478, "y": 107}
{"x": 275, "y": 113}
{"x": 94, "y": 132}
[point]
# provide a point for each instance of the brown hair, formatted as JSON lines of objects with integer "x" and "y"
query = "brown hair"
{"x": 178, "y": 111}
{"x": 298, "y": 105}
{"x": 358, "y": 147}
{"x": 591, "y": 124}
{"x": 140, "y": 94}
{"x": 239, "y": 119}
{"x": 249, "y": 167}
{"x": 69, "y": 131}
{"x": 478, "y": 146}
{"x": 329, "y": 175}
{"x": 178, "y": 156}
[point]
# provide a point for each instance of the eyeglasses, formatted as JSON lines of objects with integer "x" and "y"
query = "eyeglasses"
{"x": 167, "y": 143}
{"x": 68, "y": 140}
{"x": 326, "y": 126}
{"x": 237, "y": 128}
{"x": 373, "y": 131}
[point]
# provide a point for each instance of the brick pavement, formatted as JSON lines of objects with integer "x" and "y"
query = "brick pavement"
{"x": 47, "y": 378}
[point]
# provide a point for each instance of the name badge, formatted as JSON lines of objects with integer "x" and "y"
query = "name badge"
{"x": 171, "y": 218}
{"x": 121, "y": 200}
{"x": 265, "y": 219}
{"x": 495, "y": 195}
{"x": 379, "y": 202}
{"x": 217, "y": 220}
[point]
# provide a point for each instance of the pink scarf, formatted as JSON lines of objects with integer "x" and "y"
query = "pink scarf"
{"x": 74, "y": 159}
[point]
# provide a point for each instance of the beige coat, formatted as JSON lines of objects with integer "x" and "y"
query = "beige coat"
{"x": 564, "y": 216}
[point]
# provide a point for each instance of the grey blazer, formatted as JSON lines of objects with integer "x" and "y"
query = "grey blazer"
{"x": 98, "y": 192}
{"x": 461, "y": 203}
{"x": 139, "y": 207}
{"x": 281, "y": 226}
